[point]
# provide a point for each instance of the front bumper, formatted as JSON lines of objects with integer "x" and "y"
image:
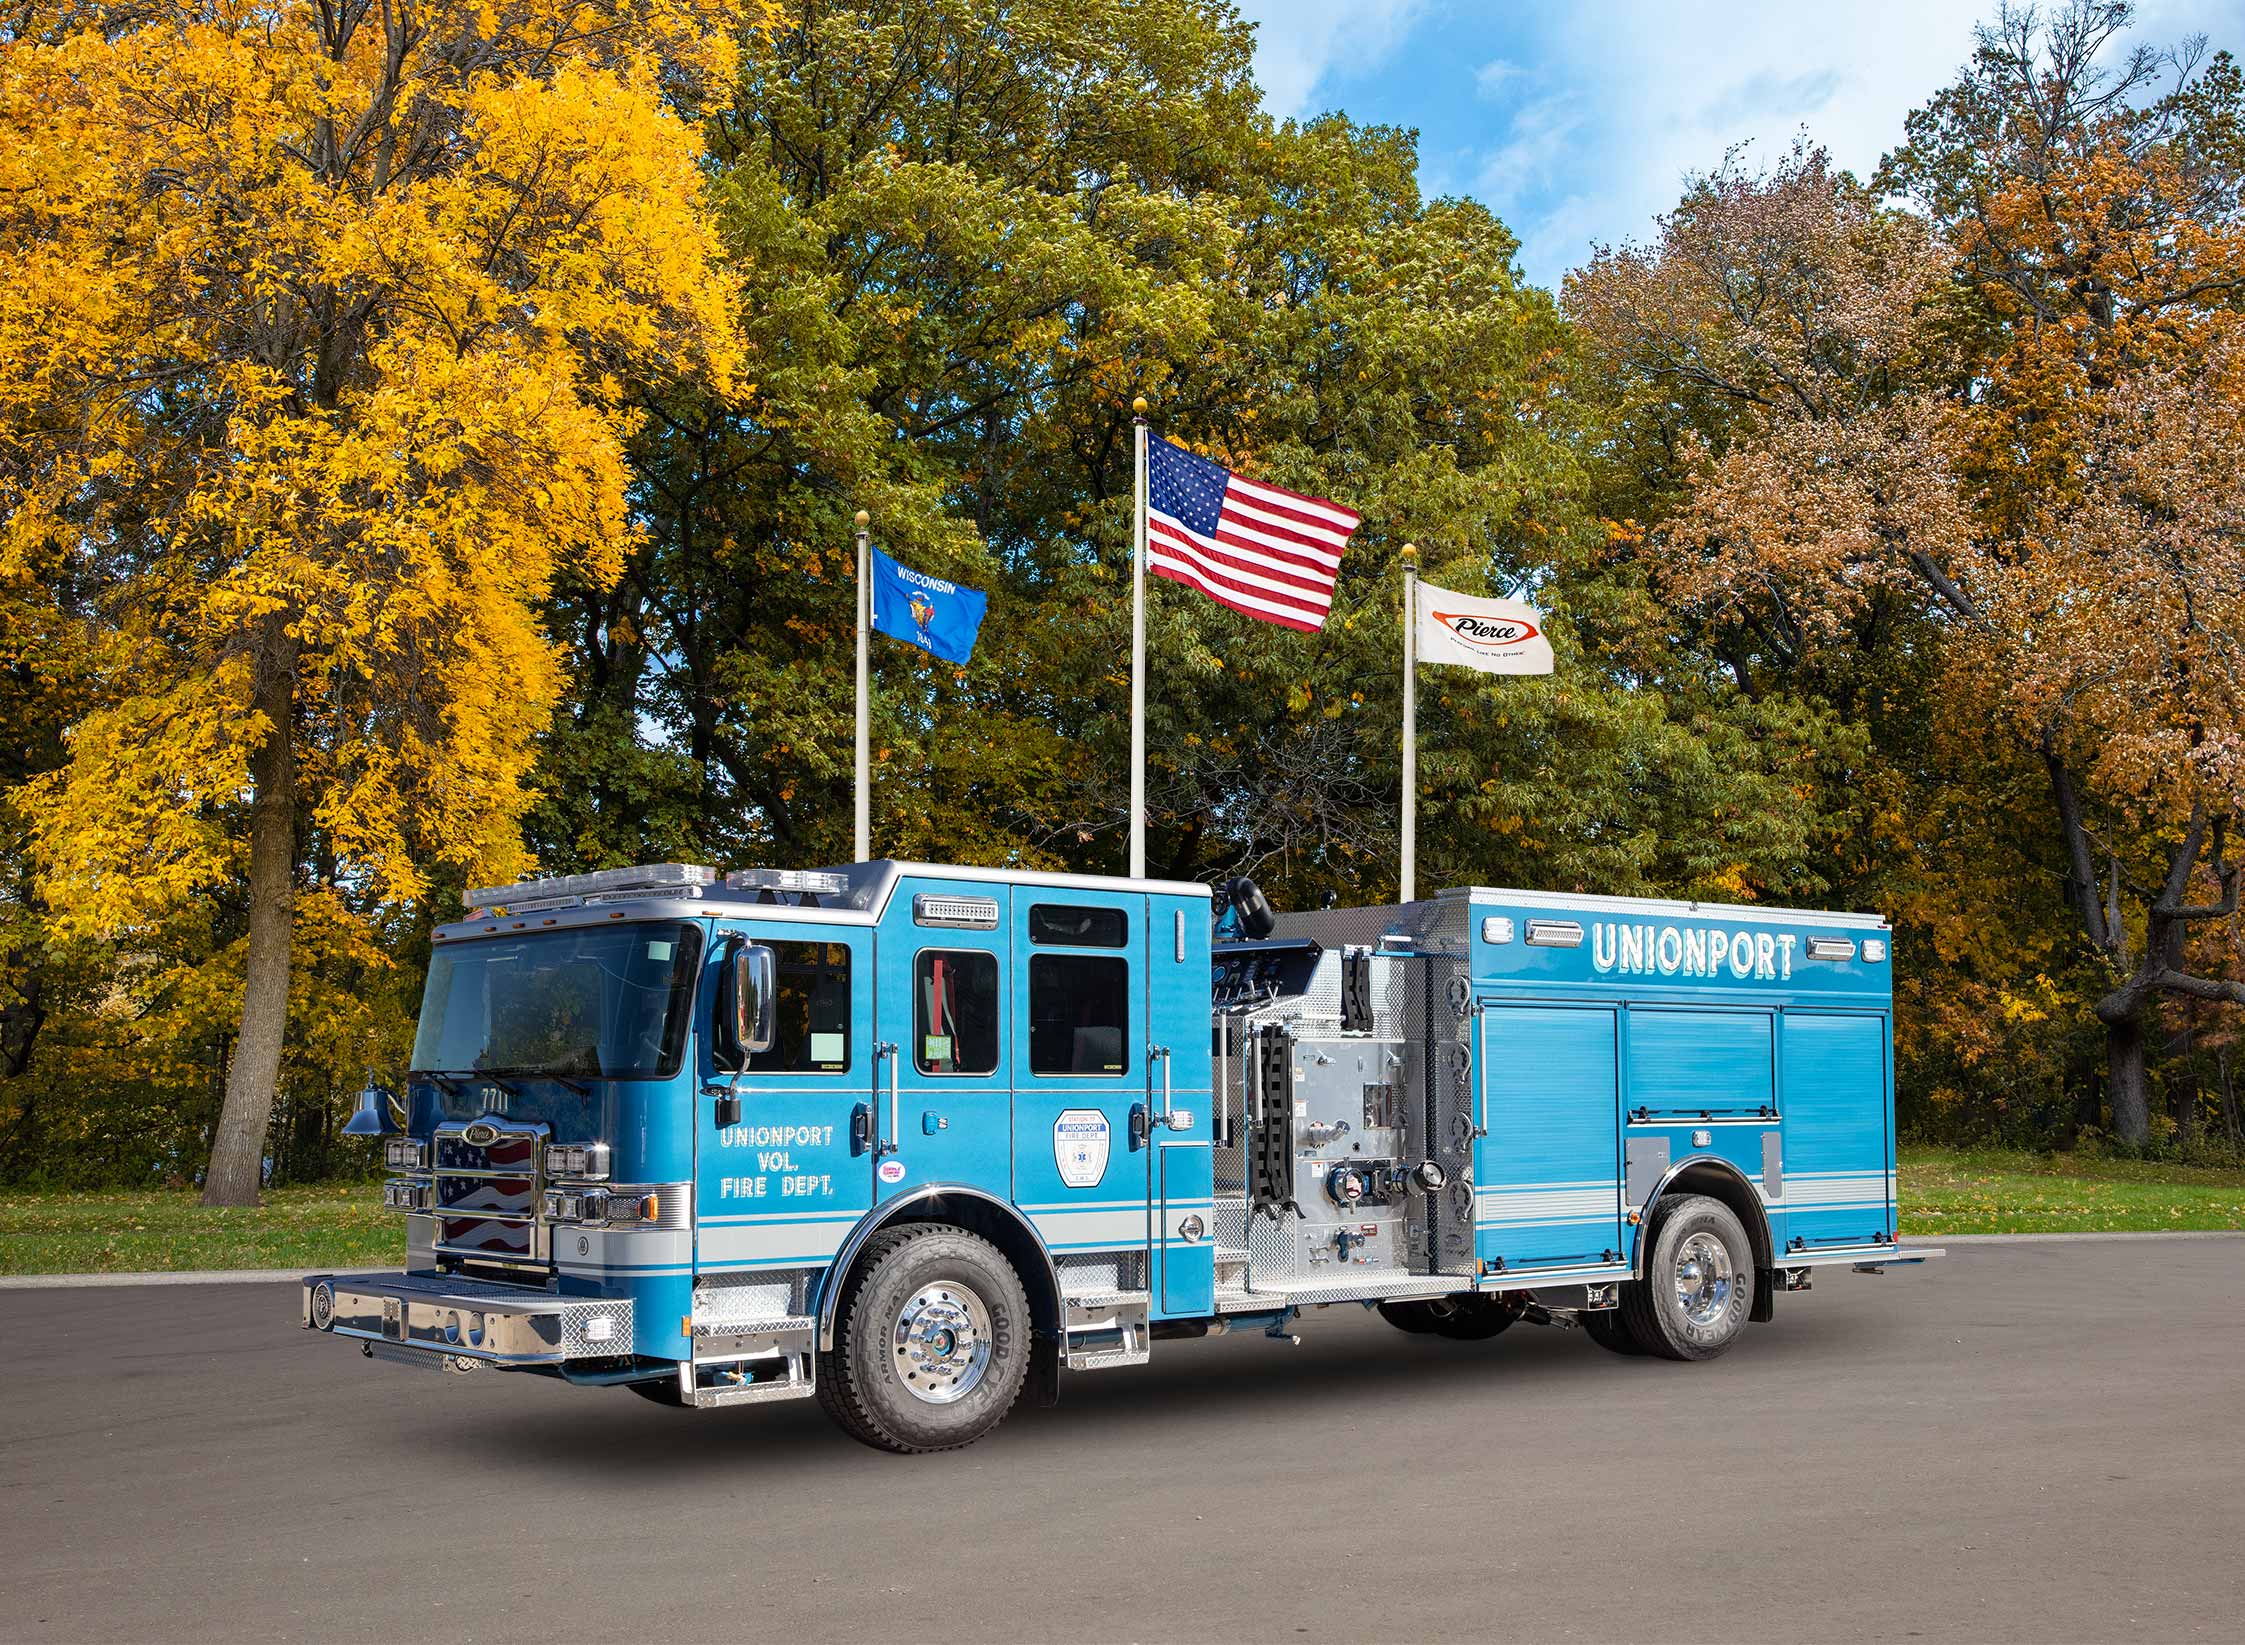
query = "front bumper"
{"x": 468, "y": 1319}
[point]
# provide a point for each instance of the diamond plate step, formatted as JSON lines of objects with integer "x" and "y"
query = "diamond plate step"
{"x": 776, "y": 1325}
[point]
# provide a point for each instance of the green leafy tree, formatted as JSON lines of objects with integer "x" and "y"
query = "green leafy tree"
{"x": 981, "y": 231}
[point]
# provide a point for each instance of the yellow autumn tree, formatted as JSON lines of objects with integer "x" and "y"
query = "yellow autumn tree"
{"x": 314, "y": 359}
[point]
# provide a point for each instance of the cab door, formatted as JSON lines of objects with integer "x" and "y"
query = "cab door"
{"x": 946, "y": 1091}
{"x": 1080, "y": 1045}
{"x": 780, "y": 1185}
{"x": 1177, "y": 997}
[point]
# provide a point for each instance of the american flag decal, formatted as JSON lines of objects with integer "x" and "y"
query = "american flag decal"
{"x": 1269, "y": 553}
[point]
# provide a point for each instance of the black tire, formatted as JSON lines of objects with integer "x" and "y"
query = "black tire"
{"x": 663, "y": 1392}
{"x": 932, "y": 1345}
{"x": 1605, "y": 1327}
{"x": 1474, "y": 1318}
{"x": 1654, "y": 1309}
{"x": 1407, "y": 1316}
{"x": 1464, "y": 1318}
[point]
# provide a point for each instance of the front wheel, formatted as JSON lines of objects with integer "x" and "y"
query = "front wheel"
{"x": 933, "y": 1345}
{"x": 1698, "y": 1288}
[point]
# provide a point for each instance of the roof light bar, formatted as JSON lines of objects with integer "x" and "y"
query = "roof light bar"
{"x": 682, "y": 878}
{"x": 787, "y": 879}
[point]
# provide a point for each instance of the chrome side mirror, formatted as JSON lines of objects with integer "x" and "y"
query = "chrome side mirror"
{"x": 745, "y": 1005}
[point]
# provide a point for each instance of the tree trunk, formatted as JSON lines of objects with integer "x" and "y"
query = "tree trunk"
{"x": 238, "y": 1149}
{"x": 2081, "y": 1093}
{"x": 2230, "y": 1123}
{"x": 2124, "y": 1067}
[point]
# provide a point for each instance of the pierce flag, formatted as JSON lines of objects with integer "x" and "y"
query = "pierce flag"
{"x": 1494, "y": 636}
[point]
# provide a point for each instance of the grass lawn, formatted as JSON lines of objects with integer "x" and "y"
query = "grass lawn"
{"x": 1944, "y": 1191}
{"x": 119, "y": 1233}
{"x": 1994, "y": 1191}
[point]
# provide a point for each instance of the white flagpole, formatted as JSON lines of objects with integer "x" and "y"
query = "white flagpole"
{"x": 1410, "y": 723}
{"x": 1138, "y": 651}
{"x": 864, "y": 845}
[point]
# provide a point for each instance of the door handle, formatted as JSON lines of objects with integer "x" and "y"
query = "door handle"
{"x": 887, "y": 1144}
{"x": 1168, "y": 1119}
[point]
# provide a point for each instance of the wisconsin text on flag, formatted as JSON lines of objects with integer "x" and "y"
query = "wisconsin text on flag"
{"x": 1272, "y": 554}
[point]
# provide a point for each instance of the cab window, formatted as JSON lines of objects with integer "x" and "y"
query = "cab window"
{"x": 955, "y": 1011}
{"x": 1079, "y": 1014}
{"x": 811, "y": 1012}
{"x": 1071, "y": 926}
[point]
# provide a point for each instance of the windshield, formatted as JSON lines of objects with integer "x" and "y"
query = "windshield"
{"x": 606, "y": 1002}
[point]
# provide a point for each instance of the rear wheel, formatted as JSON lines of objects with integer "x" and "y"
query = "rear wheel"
{"x": 1699, "y": 1284}
{"x": 933, "y": 1342}
{"x": 1407, "y": 1316}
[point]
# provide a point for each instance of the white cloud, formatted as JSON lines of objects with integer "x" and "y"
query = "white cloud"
{"x": 1494, "y": 75}
{"x": 1669, "y": 85}
{"x": 1591, "y": 114}
{"x": 1538, "y": 143}
{"x": 1301, "y": 42}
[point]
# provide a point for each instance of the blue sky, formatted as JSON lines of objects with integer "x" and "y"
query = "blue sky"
{"x": 1575, "y": 120}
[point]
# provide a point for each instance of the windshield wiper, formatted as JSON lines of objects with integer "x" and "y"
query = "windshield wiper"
{"x": 452, "y": 1079}
{"x": 501, "y": 1076}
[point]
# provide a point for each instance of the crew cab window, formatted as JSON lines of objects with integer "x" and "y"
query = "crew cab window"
{"x": 1079, "y": 1014}
{"x": 1071, "y": 926}
{"x": 811, "y": 1012}
{"x": 955, "y": 1011}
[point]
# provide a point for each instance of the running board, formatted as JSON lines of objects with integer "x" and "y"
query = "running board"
{"x": 749, "y": 1361}
{"x": 1415, "y": 1287}
{"x": 1101, "y": 1330}
{"x": 1864, "y": 1259}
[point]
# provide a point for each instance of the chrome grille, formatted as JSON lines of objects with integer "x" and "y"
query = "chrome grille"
{"x": 488, "y": 1180}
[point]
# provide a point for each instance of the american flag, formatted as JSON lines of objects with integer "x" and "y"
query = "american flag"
{"x": 1269, "y": 553}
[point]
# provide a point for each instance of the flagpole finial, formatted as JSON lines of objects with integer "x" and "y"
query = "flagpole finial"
{"x": 1138, "y": 406}
{"x": 1410, "y": 551}
{"x": 863, "y": 519}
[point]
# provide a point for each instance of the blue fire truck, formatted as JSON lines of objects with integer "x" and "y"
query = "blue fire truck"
{"x": 911, "y": 1139}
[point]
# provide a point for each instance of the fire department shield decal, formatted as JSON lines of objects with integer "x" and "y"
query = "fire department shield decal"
{"x": 1079, "y": 1146}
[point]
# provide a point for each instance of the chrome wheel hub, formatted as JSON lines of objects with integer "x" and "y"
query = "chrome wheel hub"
{"x": 1704, "y": 1278}
{"x": 941, "y": 1343}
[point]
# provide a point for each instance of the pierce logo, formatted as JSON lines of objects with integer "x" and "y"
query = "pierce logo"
{"x": 1487, "y": 633}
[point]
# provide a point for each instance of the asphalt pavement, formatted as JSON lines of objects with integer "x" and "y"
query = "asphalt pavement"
{"x": 2023, "y": 1442}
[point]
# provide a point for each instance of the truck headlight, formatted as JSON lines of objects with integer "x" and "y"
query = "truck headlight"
{"x": 586, "y": 1160}
{"x": 405, "y": 1154}
{"x": 589, "y": 1205}
{"x": 564, "y": 1205}
{"x": 406, "y": 1194}
{"x": 634, "y": 1207}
